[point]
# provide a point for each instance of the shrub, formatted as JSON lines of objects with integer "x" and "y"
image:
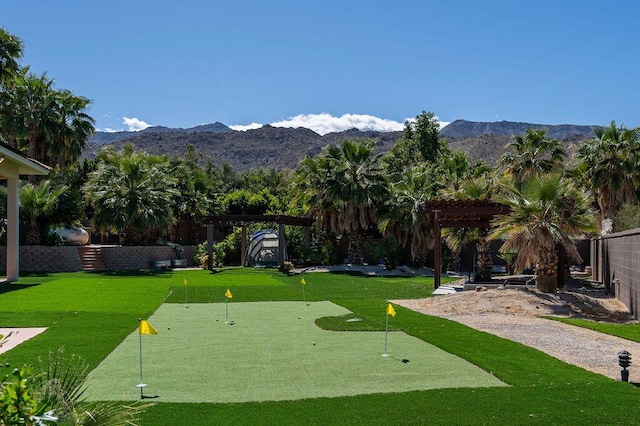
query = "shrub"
{"x": 285, "y": 267}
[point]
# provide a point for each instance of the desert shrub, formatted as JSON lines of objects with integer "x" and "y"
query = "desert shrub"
{"x": 285, "y": 267}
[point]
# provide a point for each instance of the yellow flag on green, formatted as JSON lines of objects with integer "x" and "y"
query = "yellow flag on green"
{"x": 185, "y": 281}
{"x": 146, "y": 328}
{"x": 390, "y": 310}
{"x": 303, "y": 282}
{"x": 228, "y": 294}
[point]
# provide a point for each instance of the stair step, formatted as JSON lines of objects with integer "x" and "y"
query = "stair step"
{"x": 91, "y": 258}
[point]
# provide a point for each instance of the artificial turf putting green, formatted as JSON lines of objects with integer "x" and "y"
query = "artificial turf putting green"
{"x": 268, "y": 355}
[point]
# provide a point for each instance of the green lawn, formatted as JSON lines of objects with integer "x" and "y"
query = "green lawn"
{"x": 93, "y": 314}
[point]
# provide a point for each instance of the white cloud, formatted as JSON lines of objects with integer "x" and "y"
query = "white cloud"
{"x": 108, "y": 130}
{"x": 134, "y": 124}
{"x": 326, "y": 123}
{"x": 245, "y": 127}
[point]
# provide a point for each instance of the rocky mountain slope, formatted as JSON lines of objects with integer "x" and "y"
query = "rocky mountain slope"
{"x": 283, "y": 148}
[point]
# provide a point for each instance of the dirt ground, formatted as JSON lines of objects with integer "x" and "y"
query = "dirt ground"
{"x": 574, "y": 301}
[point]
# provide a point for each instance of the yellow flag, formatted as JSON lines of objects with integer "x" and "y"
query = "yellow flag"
{"x": 390, "y": 310}
{"x": 185, "y": 281}
{"x": 228, "y": 294}
{"x": 146, "y": 328}
{"x": 303, "y": 282}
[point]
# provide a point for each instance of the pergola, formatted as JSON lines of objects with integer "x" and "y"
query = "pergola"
{"x": 244, "y": 220}
{"x": 13, "y": 164}
{"x": 470, "y": 213}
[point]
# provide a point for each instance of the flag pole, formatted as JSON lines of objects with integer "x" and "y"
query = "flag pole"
{"x": 185, "y": 293}
{"x": 386, "y": 332}
{"x": 226, "y": 315}
{"x": 141, "y": 385}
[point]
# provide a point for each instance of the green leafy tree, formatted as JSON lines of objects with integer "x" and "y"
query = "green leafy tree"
{"x": 132, "y": 193}
{"x": 420, "y": 143}
{"x": 548, "y": 212}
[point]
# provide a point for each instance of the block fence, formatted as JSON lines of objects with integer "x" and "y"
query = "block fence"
{"x": 116, "y": 258}
{"x": 616, "y": 264}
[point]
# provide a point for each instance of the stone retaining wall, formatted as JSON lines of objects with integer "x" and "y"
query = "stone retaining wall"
{"x": 44, "y": 259}
{"x": 67, "y": 259}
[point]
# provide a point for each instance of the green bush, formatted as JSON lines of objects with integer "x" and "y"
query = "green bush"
{"x": 285, "y": 267}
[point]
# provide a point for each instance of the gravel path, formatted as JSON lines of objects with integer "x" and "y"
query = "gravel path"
{"x": 585, "y": 348}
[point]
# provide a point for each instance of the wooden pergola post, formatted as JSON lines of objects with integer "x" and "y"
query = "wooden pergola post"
{"x": 243, "y": 246}
{"x": 437, "y": 250}
{"x": 281, "y": 243}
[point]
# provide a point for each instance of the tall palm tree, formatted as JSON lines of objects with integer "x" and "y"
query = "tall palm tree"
{"x": 609, "y": 165}
{"x": 532, "y": 154}
{"x": 342, "y": 187}
{"x": 132, "y": 192}
{"x": 548, "y": 211}
{"x": 11, "y": 48}
{"x": 35, "y": 106}
{"x": 70, "y": 130}
{"x": 404, "y": 217}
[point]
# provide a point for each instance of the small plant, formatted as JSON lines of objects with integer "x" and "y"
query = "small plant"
{"x": 53, "y": 394}
{"x": 285, "y": 267}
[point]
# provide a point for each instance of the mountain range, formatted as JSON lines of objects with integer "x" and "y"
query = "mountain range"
{"x": 283, "y": 148}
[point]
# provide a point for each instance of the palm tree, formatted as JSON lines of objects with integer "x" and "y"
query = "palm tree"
{"x": 532, "y": 154}
{"x": 70, "y": 130}
{"x": 37, "y": 201}
{"x": 355, "y": 186}
{"x": 342, "y": 188}
{"x": 480, "y": 187}
{"x": 548, "y": 212}
{"x": 404, "y": 217}
{"x": 609, "y": 165}
{"x": 35, "y": 106}
{"x": 10, "y": 51}
{"x": 132, "y": 193}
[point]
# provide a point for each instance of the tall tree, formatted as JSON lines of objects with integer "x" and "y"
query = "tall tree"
{"x": 609, "y": 165}
{"x": 531, "y": 155}
{"x": 132, "y": 193}
{"x": 420, "y": 143}
{"x": 404, "y": 217}
{"x": 548, "y": 212}
{"x": 343, "y": 187}
{"x": 70, "y": 130}
{"x": 11, "y": 48}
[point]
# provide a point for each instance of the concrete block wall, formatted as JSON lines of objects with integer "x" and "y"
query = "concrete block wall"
{"x": 620, "y": 267}
{"x": 67, "y": 259}
{"x": 121, "y": 258}
{"x": 44, "y": 259}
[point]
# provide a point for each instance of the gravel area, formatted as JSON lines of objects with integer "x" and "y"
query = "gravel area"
{"x": 514, "y": 314}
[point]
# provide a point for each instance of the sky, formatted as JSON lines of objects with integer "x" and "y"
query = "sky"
{"x": 331, "y": 65}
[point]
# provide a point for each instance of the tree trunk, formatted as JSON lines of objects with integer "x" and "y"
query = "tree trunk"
{"x": 33, "y": 235}
{"x": 484, "y": 263}
{"x": 546, "y": 274}
{"x": 354, "y": 253}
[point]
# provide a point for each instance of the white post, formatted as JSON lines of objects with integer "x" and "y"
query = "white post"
{"x": 13, "y": 226}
